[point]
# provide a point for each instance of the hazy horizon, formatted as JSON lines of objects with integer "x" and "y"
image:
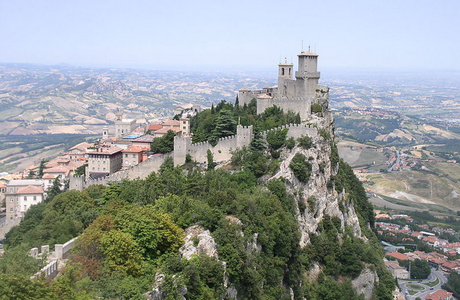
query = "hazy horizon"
{"x": 211, "y": 35}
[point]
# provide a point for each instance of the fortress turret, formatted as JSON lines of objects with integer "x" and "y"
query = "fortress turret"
{"x": 308, "y": 66}
{"x": 285, "y": 72}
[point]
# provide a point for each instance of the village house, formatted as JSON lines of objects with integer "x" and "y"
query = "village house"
{"x": 20, "y": 195}
{"x": 104, "y": 161}
{"x": 143, "y": 142}
{"x": 78, "y": 151}
{"x": 440, "y": 295}
{"x": 132, "y": 156}
{"x": 397, "y": 271}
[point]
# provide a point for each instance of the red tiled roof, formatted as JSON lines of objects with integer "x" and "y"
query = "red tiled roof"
{"x": 144, "y": 139}
{"x": 165, "y": 130}
{"x": 439, "y": 295}
{"x": 48, "y": 176}
{"x": 82, "y": 146}
{"x": 30, "y": 189}
{"x": 133, "y": 149}
{"x": 154, "y": 127}
{"x": 398, "y": 255}
{"x": 105, "y": 150}
{"x": 170, "y": 123}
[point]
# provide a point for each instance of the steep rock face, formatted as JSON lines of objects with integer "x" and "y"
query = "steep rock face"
{"x": 364, "y": 284}
{"x": 316, "y": 195}
{"x": 197, "y": 241}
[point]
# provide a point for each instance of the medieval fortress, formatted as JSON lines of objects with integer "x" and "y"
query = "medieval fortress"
{"x": 295, "y": 95}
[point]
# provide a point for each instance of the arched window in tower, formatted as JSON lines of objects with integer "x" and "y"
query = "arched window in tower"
{"x": 289, "y": 71}
{"x": 282, "y": 71}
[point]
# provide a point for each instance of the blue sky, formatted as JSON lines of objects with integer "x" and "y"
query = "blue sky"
{"x": 197, "y": 34}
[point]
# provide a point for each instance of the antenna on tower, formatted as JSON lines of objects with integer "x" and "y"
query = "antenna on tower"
{"x": 308, "y": 48}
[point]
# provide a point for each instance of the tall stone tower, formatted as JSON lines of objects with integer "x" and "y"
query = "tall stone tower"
{"x": 307, "y": 75}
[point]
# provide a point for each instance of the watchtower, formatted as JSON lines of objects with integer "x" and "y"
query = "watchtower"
{"x": 307, "y": 75}
{"x": 285, "y": 72}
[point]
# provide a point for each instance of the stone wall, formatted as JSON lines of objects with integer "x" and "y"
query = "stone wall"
{"x": 300, "y": 105}
{"x": 222, "y": 151}
{"x": 141, "y": 170}
{"x": 5, "y": 227}
{"x": 61, "y": 251}
{"x": 296, "y": 130}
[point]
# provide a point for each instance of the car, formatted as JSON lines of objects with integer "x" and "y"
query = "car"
{"x": 431, "y": 289}
{"x": 419, "y": 281}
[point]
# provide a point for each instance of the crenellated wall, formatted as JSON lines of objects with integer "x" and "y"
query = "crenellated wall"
{"x": 222, "y": 151}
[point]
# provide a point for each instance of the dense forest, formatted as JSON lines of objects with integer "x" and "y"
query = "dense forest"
{"x": 131, "y": 231}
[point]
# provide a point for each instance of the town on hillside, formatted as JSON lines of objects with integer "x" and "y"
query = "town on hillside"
{"x": 123, "y": 147}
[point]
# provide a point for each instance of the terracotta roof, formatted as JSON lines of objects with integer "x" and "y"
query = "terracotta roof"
{"x": 170, "y": 123}
{"x": 439, "y": 295}
{"x": 165, "y": 130}
{"x": 48, "y": 176}
{"x": 133, "y": 149}
{"x": 398, "y": 255}
{"x": 244, "y": 90}
{"x": 82, "y": 146}
{"x": 58, "y": 169}
{"x": 144, "y": 139}
{"x": 153, "y": 127}
{"x": 30, "y": 189}
{"x": 106, "y": 150}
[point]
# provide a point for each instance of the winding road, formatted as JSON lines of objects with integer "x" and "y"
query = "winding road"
{"x": 442, "y": 276}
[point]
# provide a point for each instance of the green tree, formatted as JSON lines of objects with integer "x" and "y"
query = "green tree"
{"x": 420, "y": 269}
{"x": 276, "y": 138}
{"x": 41, "y": 168}
{"x": 55, "y": 189}
{"x": 225, "y": 125}
{"x": 300, "y": 167}
{"x": 164, "y": 144}
{"x": 121, "y": 252}
{"x": 210, "y": 158}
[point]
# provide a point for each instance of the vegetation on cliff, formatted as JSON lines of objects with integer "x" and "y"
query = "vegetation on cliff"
{"x": 131, "y": 231}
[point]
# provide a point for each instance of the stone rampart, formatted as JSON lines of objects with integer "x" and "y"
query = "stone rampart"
{"x": 301, "y": 105}
{"x": 5, "y": 227}
{"x": 61, "y": 251}
{"x": 222, "y": 151}
{"x": 49, "y": 271}
{"x": 141, "y": 170}
{"x": 296, "y": 130}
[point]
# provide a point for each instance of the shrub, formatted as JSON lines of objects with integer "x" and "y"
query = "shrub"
{"x": 276, "y": 138}
{"x": 305, "y": 142}
{"x": 316, "y": 108}
{"x": 300, "y": 167}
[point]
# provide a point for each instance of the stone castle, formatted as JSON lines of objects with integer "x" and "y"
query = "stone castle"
{"x": 295, "y": 95}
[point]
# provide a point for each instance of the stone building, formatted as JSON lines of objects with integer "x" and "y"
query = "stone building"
{"x": 297, "y": 94}
{"x": 122, "y": 126}
{"x": 104, "y": 161}
{"x": 20, "y": 195}
{"x": 132, "y": 156}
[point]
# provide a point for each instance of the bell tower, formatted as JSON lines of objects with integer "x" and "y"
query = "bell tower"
{"x": 285, "y": 72}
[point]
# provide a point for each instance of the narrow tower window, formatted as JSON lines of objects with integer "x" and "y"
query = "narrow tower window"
{"x": 282, "y": 71}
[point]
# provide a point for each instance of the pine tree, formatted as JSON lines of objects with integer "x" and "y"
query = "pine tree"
{"x": 55, "y": 189}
